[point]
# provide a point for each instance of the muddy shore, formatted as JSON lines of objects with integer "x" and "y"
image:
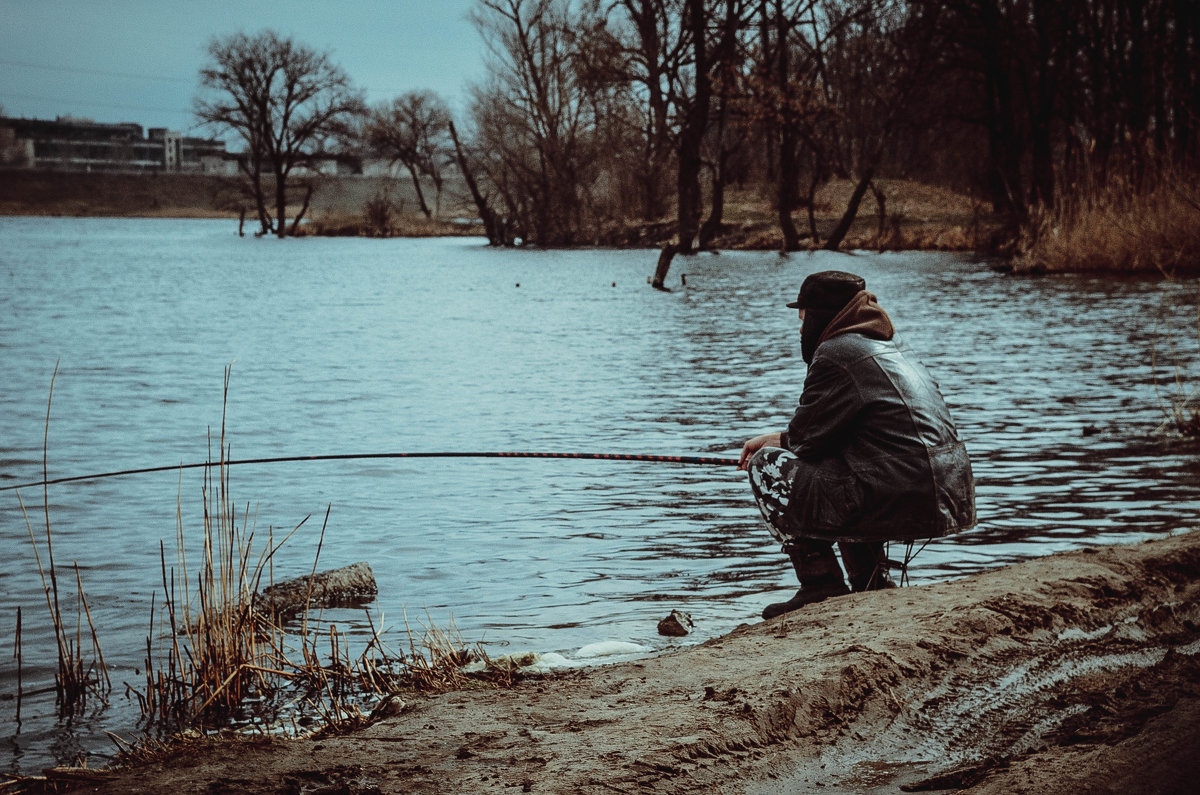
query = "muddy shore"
{"x": 1076, "y": 672}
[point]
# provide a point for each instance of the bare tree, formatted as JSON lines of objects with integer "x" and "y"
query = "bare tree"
{"x": 881, "y": 57}
{"x": 708, "y": 51}
{"x": 412, "y": 130}
{"x": 532, "y": 120}
{"x": 286, "y": 102}
{"x": 656, "y": 49}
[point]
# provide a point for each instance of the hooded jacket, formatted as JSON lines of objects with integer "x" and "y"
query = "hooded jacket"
{"x": 880, "y": 458}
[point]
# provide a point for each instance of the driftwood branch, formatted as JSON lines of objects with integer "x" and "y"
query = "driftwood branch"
{"x": 350, "y": 586}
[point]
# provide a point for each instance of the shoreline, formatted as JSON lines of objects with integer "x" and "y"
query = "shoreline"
{"x": 1156, "y": 240}
{"x": 745, "y": 237}
{"x": 1076, "y": 671}
{"x": 919, "y": 218}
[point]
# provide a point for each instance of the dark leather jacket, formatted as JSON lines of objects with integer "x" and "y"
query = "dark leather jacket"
{"x": 880, "y": 456}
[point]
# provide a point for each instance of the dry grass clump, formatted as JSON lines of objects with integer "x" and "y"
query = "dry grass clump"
{"x": 218, "y": 654}
{"x": 218, "y": 646}
{"x": 1118, "y": 226}
{"x": 77, "y": 676}
{"x": 81, "y": 672}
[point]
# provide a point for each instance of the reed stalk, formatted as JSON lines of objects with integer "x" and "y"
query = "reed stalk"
{"x": 17, "y": 655}
{"x": 75, "y": 678}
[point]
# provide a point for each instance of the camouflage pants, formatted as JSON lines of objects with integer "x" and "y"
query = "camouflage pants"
{"x": 771, "y": 471}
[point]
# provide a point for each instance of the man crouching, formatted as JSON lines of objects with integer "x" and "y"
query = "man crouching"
{"x": 871, "y": 454}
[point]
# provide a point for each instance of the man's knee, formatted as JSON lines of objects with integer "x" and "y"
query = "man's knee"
{"x": 766, "y": 463}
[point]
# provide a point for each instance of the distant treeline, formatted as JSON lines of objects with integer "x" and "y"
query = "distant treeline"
{"x": 597, "y": 114}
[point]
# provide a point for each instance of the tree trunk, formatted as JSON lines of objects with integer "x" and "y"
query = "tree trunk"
{"x": 491, "y": 225}
{"x": 769, "y": 126}
{"x": 712, "y": 227}
{"x": 1003, "y": 141}
{"x": 280, "y": 204}
{"x": 839, "y": 232}
{"x": 420, "y": 194}
{"x": 691, "y": 139}
{"x": 1042, "y": 113}
{"x": 723, "y": 56}
{"x": 308, "y": 192}
{"x": 657, "y": 138}
{"x": 789, "y": 163}
{"x": 664, "y": 264}
{"x": 786, "y": 199}
{"x": 254, "y": 177}
{"x": 689, "y": 204}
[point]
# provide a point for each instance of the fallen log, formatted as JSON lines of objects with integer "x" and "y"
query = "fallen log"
{"x": 349, "y": 586}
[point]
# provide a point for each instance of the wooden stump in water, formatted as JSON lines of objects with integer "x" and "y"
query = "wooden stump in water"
{"x": 349, "y": 586}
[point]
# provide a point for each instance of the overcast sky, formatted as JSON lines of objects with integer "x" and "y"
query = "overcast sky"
{"x": 137, "y": 60}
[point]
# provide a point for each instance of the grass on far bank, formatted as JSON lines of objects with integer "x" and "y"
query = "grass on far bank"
{"x": 915, "y": 216}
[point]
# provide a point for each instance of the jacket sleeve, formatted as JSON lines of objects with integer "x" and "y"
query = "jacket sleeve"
{"x": 828, "y": 406}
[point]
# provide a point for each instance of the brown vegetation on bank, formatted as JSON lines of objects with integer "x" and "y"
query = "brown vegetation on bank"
{"x": 1119, "y": 224}
{"x": 51, "y": 193}
{"x": 1073, "y": 672}
{"x": 71, "y": 194}
{"x": 1107, "y": 227}
{"x": 911, "y": 216}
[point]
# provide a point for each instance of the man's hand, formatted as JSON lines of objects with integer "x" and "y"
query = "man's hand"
{"x": 754, "y": 445}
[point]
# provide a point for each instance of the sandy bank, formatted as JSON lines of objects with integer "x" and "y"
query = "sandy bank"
{"x": 1075, "y": 672}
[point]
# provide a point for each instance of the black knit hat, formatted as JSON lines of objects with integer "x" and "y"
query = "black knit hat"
{"x": 828, "y": 291}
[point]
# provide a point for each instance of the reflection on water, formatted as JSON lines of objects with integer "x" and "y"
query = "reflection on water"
{"x": 371, "y": 346}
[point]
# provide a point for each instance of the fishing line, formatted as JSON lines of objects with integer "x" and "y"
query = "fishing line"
{"x": 665, "y": 459}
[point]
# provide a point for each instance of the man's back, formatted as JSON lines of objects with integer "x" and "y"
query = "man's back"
{"x": 886, "y": 419}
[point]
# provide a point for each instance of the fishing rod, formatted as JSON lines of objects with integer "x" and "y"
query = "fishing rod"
{"x": 666, "y": 459}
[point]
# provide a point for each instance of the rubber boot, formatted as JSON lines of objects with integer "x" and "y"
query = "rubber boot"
{"x": 866, "y": 566}
{"x": 818, "y": 572}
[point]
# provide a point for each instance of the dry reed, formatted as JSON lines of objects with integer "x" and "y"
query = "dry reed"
{"x": 211, "y": 647}
{"x": 217, "y": 646}
{"x": 1118, "y": 224}
{"x": 76, "y": 677}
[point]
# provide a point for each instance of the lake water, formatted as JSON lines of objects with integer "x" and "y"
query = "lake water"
{"x": 353, "y": 346}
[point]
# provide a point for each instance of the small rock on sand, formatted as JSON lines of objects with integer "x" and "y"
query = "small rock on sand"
{"x": 676, "y": 625}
